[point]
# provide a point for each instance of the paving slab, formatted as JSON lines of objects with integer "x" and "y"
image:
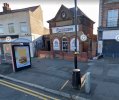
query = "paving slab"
{"x": 53, "y": 73}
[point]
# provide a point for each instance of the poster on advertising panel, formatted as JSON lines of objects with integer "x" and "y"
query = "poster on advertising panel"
{"x": 21, "y": 57}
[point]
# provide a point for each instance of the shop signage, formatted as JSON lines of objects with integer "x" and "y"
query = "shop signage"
{"x": 21, "y": 57}
{"x": 113, "y": 34}
{"x": 64, "y": 29}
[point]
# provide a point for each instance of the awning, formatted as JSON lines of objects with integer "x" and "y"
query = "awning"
{"x": 17, "y": 40}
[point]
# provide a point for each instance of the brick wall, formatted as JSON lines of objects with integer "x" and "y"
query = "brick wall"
{"x": 105, "y": 8}
{"x": 63, "y": 55}
{"x": 85, "y": 26}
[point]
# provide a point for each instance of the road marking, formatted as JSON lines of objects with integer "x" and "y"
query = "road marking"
{"x": 26, "y": 90}
{"x": 64, "y": 84}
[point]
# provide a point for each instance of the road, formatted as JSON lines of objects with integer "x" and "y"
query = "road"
{"x": 14, "y": 91}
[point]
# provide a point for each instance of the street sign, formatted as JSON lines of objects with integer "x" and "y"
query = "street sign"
{"x": 83, "y": 37}
{"x": 117, "y": 38}
{"x": 8, "y": 39}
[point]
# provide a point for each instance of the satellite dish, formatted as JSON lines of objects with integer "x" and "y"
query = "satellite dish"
{"x": 83, "y": 37}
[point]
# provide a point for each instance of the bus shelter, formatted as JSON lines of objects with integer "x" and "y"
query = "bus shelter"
{"x": 6, "y": 49}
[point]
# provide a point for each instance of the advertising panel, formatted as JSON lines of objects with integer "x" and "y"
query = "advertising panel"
{"x": 21, "y": 57}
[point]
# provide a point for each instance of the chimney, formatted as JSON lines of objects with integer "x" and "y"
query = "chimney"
{"x": 6, "y": 8}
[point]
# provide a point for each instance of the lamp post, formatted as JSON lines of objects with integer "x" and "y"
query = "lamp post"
{"x": 75, "y": 20}
{"x": 76, "y": 79}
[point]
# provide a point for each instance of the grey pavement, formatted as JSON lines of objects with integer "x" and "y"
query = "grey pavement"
{"x": 53, "y": 73}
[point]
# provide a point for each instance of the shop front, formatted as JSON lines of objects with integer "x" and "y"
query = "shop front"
{"x": 6, "y": 48}
{"x": 62, "y": 35}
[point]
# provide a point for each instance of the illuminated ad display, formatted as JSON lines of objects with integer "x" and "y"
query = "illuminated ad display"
{"x": 21, "y": 57}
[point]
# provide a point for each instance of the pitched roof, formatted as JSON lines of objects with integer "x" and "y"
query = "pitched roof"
{"x": 79, "y": 12}
{"x": 72, "y": 10}
{"x": 20, "y": 10}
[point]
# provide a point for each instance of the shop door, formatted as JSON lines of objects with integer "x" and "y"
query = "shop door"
{"x": 111, "y": 48}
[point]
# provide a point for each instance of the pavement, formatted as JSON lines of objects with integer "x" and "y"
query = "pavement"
{"x": 52, "y": 74}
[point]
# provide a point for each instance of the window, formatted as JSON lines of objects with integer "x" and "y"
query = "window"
{"x": 72, "y": 44}
{"x": 11, "y": 28}
{"x": 112, "y": 20}
{"x": 23, "y": 27}
{"x": 64, "y": 44}
{"x": 110, "y": 1}
{"x": 56, "y": 45}
{"x": 1, "y": 29}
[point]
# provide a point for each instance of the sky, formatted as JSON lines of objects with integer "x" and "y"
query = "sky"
{"x": 51, "y": 7}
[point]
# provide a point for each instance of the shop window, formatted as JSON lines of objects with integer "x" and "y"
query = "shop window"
{"x": 72, "y": 44}
{"x": 64, "y": 44}
{"x": 56, "y": 45}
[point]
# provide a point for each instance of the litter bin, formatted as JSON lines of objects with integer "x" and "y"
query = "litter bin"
{"x": 76, "y": 79}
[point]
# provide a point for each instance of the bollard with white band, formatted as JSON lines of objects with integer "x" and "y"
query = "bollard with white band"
{"x": 87, "y": 83}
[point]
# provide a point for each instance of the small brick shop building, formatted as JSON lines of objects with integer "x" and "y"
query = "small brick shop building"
{"x": 62, "y": 35}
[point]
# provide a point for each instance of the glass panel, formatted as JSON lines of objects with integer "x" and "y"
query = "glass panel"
{"x": 23, "y": 27}
{"x": 56, "y": 45}
{"x": 11, "y": 28}
{"x": 112, "y": 19}
{"x": 1, "y": 29}
{"x": 64, "y": 44}
{"x": 109, "y": 1}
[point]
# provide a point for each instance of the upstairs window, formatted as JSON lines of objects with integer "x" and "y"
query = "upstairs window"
{"x": 1, "y": 29}
{"x": 112, "y": 20}
{"x": 110, "y": 1}
{"x": 23, "y": 27}
{"x": 11, "y": 28}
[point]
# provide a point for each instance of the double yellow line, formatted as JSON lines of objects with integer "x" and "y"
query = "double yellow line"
{"x": 27, "y": 91}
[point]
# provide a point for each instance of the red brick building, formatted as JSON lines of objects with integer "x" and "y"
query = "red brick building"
{"x": 108, "y": 30}
{"x": 62, "y": 35}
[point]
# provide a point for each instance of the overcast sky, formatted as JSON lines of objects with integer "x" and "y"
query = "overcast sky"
{"x": 50, "y": 7}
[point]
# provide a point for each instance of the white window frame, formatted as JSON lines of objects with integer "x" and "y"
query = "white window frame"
{"x": 23, "y": 27}
{"x": 11, "y": 28}
{"x": 112, "y": 18}
{"x": 56, "y": 47}
{"x": 65, "y": 43}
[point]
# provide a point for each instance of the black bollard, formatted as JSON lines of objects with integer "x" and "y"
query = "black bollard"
{"x": 76, "y": 79}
